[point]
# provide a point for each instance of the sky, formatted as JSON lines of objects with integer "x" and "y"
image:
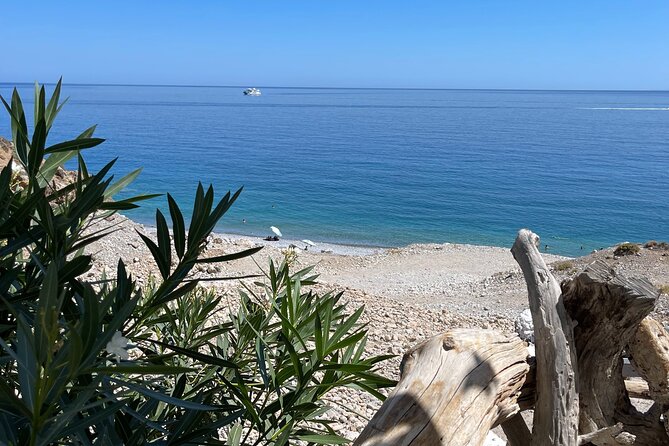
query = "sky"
{"x": 517, "y": 44}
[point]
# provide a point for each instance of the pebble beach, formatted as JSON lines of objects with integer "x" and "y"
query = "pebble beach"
{"x": 410, "y": 293}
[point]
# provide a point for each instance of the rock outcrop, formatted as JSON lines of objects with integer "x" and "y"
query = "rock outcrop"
{"x": 6, "y": 151}
{"x": 61, "y": 177}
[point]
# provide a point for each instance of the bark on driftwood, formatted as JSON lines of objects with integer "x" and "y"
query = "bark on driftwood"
{"x": 556, "y": 409}
{"x": 607, "y": 309}
{"x": 454, "y": 388}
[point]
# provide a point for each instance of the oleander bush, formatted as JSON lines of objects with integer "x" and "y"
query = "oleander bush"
{"x": 110, "y": 362}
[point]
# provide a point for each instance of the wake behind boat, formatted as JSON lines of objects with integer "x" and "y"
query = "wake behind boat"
{"x": 252, "y": 92}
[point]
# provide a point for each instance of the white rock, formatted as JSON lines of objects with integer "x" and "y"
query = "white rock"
{"x": 493, "y": 440}
{"x": 524, "y": 326}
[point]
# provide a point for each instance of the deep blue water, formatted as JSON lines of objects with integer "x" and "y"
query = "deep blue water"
{"x": 392, "y": 167}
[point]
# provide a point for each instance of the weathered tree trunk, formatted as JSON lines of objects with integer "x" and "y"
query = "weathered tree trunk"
{"x": 454, "y": 388}
{"x": 556, "y": 409}
{"x": 607, "y": 309}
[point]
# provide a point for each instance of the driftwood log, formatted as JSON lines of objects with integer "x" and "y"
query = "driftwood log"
{"x": 453, "y": 389}
{"x": 457, "y": 386}
{"x": 608, "y": 310}
{"x": 556, "y": 408}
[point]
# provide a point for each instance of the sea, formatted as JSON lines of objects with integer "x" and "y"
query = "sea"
{"x": 390, "y": 167}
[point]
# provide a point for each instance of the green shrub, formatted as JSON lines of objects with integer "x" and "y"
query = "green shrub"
{"x": 116, "y": 363}
{"x": 626, "y": 249}
{"x": 652, "y": 244}
{"x": 564, "y": 265}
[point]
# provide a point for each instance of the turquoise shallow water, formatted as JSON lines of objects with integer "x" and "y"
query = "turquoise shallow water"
{"x": 392, "y": 167}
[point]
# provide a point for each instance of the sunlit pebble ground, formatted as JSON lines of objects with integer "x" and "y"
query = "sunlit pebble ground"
{"x": 394, "y": 324}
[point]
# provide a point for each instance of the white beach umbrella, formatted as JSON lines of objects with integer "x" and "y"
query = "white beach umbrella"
{"x": 276, "y": 231}
{"x": 309, "y": 242}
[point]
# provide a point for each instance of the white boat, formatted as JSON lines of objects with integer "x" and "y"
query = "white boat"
{"x": 252, "y": 92}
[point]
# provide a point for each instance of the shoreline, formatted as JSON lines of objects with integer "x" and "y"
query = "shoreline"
{"x": 319, "y": 247}
{"x": 466, "y": 279}
{"x": 362, "y": 250}
{"x": 552, "y": 242}
{"x": 345, "y": 249}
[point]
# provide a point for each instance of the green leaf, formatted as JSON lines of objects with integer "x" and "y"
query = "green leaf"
{"x": 349, "y": 368}
{"x": 262, "y": 364}
{"x": 162, "y": 397}
{"x": 127, "y": 203}
{"x": 161, "y": 261}
{"x": 39, "y": 103}
{"x": 343, "y": 329}
{"x": 319, "y": 338}
{"x": 75, "y": 144}
{"x": 82, "y": 171}
{"x": 164, "y": 244}
{"x": 75, "y": 267}
{"x": 347, "y": 341}
{"x": 122, "y": 183}
{"x": 51, "y": 164}
{"x": 235, "y": 435}
{"x": 188, "y": 287}
{"x": 36, "y": 155}
{"x": 230, "y": 257}
{"x": 92, "y": 419}
{"x": 53, "y": 108}
{"x": 48, "y": 309}
{"x": 323, "y": 439}
{"x": 141, "y": 369}
{"x": 88, "y": 133}
{"x": 11, "y": 403}
{"x": 19, "y": 126}
{"x": 27, "y": 362}
{"x": 117, "y": 206}
{"x": 207, "y": 359}
{"x": 178, "y": 227}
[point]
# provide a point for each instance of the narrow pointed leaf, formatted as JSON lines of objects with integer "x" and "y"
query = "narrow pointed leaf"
{"x": 162, "y": 397}
{"x": 161, "y": 261}
{"x": 233, "y": 256}
{"x": 164, "y": 244}
{"x": 122, "y": 183}
{"x": 178, "y": 227}
{"x": 52, "y": 108}
{"x": 75, "y": 144}
{"x": 207, "y": 359}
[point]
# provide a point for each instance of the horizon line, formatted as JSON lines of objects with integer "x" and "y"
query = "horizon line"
{"x": 75, "y": 84}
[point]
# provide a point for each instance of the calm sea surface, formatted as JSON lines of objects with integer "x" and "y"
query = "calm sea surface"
{"x": 392, "y": 167}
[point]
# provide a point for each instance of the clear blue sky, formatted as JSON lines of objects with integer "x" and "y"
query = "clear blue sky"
{"x": 585, "y": 44}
